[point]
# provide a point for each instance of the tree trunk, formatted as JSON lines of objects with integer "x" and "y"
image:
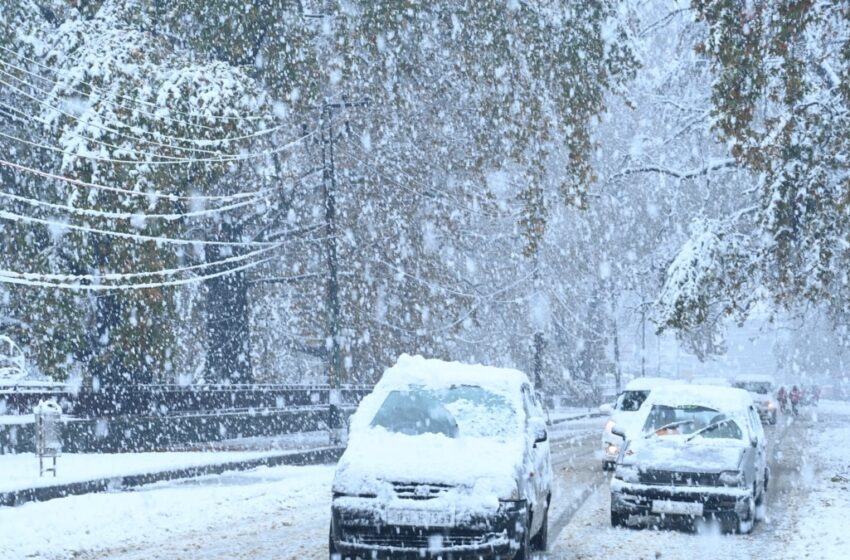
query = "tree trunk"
{"x": 227, "y": 318}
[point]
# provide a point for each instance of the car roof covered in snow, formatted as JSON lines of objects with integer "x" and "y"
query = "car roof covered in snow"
{"x": 417, "y": 370}
{"x": 716, "y": 381}
{"x": 649, "y": 383}
{"x": 755, "y": 378}
{"x": 710, "y": 396}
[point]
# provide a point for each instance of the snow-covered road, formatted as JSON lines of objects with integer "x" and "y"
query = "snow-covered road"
{"x": 283, "y": 512}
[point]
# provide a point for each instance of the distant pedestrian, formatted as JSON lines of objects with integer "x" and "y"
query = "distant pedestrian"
{"x": 795, "y": 397}
{"x": 782, "y": 397}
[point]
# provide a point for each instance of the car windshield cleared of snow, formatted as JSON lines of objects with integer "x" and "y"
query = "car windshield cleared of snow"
{"x": 631, "y": 401}
{"x": 458, "y": 411}
{"x": 689, "y": 420}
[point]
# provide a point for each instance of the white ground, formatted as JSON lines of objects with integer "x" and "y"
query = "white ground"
{"x": 283, "y": 512}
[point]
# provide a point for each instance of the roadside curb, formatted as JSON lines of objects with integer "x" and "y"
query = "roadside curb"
{"x": 118, "y": 483}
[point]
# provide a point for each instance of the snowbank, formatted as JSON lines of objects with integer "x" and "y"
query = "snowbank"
{"x": 824, "y": 529}
{"x": 177, "y": 519}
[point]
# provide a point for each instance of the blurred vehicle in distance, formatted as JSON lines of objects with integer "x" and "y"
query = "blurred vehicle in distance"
{"x": 762, "y": 388}
{"x": 625, "y": 414}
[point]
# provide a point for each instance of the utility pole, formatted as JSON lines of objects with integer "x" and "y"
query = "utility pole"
{"x": 643, "y": 340}
{"x": 332, "y": 336}
{"x": 539, "y": 340}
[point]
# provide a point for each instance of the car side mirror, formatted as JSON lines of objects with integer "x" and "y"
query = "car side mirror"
{"x": 619, "y": 432}
{"x": 606, "y": 409}
{"x": 537, "y": 426}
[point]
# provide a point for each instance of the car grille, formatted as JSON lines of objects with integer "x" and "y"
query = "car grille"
{"x": 674, "y": 478}
{"x": 419, "y": 540}
{"x": 417, "y": 491}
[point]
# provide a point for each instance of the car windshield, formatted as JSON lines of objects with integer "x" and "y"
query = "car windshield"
{"x": 687, "y": 420}
{"x": 760, "y": 387}
{"x": 457, "y": 411}
{"x": 631, "y": 401}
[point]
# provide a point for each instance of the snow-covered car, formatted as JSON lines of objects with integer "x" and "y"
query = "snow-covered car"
{"x": 762, "y": 388}
{"x": 716, "y": 381}
{"x": 444, "y": 460}
{"x": 626, "y": 414}
{"x": 702, "y": 453}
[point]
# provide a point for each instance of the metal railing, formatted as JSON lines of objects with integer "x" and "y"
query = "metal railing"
{"x": 161, "y": 400}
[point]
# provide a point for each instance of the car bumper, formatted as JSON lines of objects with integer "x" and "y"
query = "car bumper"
{"x": 361, "y": 533}
{"x": 637, "y": 499}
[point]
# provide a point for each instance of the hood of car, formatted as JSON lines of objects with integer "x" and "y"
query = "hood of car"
{"x": 675, "y": 453}
{"x": 374, "y": 462}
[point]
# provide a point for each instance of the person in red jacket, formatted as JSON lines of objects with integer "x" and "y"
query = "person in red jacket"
{"x": 794, "y": 397}
{"x": 782, "y": 398}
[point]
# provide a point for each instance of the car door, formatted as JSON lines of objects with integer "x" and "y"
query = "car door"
{"x": 540, "y": 473}
{"x": 760, "y": 459}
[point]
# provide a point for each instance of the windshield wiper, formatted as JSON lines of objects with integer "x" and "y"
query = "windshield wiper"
{"x": 708, "y": 428}
{"x": 675, "y": 424}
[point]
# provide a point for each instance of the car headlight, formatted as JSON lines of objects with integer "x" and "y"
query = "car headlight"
{"x": 612, "y": 449}
{"x": 505, "y": 488}
{"x": 731, "y": 478}
{"x": 771, "y": 405}
{"x": 609, "y": 426}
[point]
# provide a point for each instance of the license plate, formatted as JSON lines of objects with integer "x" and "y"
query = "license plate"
{"x": 677, "y": 508}
{"x": 419, "y": 517}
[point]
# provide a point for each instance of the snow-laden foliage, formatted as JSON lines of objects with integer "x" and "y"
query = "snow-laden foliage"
{"x": 134, "y": 124}
{"x": 780, "y": 102}
{"x": 495, "y": 181}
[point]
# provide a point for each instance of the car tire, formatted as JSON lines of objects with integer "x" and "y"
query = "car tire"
{"x": 745, "y": 524}
{"x": 524, "y": 552}
{"x": 540, "y": 541}
{"x": 333, "y": 552}
{"x": 761, "y": 511}
{"x": 607, "y": 466}
{"x": 618, "y": 518}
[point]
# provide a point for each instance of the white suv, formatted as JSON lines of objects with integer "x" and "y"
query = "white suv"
{"x": 626, "y": 414}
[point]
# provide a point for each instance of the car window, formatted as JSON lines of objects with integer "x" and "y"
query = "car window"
{"x": 457, "y": 411}
{"x": 529, "y": 403}
{"x": 631, "y": 401}
{"x": 755, "y": 423}
{"x": 686, "y": 420}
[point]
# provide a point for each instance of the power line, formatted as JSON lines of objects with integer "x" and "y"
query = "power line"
{"x": 198, "y": 141}
{"x": 142, "y": 286}
{"x": 127, "y": 215}
{"x": 130, "y": 275}
{"x": 148, "y": 195}
{"x": 13, "y": 217}
{"x": 24, "y": 118}
{"x": 139, "y": 101}
{"x": 221, "y": 159}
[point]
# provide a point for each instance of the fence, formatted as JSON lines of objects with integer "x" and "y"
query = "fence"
{"x": 152, "y": 417}
{"x": 163, "y": 400}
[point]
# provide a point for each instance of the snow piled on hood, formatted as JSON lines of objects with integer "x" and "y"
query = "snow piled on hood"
{"x": 375, "y": 457}
{"x": 678, "y": 454}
